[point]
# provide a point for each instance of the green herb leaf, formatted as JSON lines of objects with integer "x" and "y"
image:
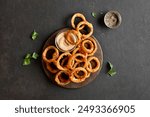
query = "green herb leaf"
{"x": 26, "y": 61}
{"x": 112, "y": 71}
{"x": 94, "y": 14}
{"x": 35, "y": 55}
{"x": 34, "y": 35}
{"x": 111, "y": 65}
{"x": 28, "y": 55}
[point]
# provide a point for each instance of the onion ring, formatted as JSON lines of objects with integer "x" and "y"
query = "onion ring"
{"x": 51, "y": 66}
{"x": 90, "y": 26}
{"x": 90, "y": 46}
{"x": 62, "y": 78}
{"x": 80, "y": 78}
{"x": 78, "y": 50}
{"x": 74, "y": 58}
{"x": 95, "y": 46}
{"x": 80, "y": 64}
{"x": 90, "y": 67}
{"x": 75, "y": 51}
{"x": 75, "y": 16}
{"x": 83, "y": 65}
{"x": 55, "y": 55}
{"x": 71, "y": 65}
{"x": 64, "y": 61}
{"x": 70, "y": 34}
{"x": 59, "y": 58}
{"x": 88, "y": 74}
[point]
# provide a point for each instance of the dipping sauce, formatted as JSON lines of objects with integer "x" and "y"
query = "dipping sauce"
{"x": 112, "y": 19}
{"x": 62, "y": 44}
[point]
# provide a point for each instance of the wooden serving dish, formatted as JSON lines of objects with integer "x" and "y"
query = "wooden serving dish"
{"x": 98, "y": 54}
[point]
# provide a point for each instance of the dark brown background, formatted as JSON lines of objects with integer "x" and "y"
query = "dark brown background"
{"x": 126, "y": 47}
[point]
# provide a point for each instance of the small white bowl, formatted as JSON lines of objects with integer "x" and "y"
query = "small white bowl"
{"x": 72, "y": 47}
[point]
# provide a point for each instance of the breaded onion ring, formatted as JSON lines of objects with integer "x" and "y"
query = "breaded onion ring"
{"x": 78, "y": 50}
{"x": 75, "y": 51}
{"x": 64, "y": 61}
{"x": 62, "y": 78}
{"x": 80, "y": 57}
{"x": 75, "y": 57}
{"x": 51, "y": 66}
{"x": 95, "y": 46}
{"x": 45, "y": 53}
{"x": 90, "y": 26}
{"x": 69, "y": 37}
{"x": 83, "y": 65}
{"x": 91, "y": 67}
{"x": 79, "y": 15}
{"x": 61, "y": 57}
{"x": 88, "y": 74}
{"x": 80, "y": 64}
{"x": 81, "y": 77}
{"x": 71, "y": 64}
{"x": 87, "y": 46}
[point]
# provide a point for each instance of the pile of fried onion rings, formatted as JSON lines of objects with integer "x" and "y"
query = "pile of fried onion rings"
{"x": 77, "y": 65}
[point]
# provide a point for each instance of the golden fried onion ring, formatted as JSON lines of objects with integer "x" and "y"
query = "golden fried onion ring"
{"x": 74, "y": 58}
{"x": 79, "y": 57}
{"x": 79, "y": 15}
{"x": 95, "y": 46}
{"x": 75, "y": 51}
{"x": 80, "y": 78}
{"x": 59, "y": 66}
{"x": 91, "y": 67}
{"x": 80, "y": 64}
{"x": 51, "y": 66}
{"x": 64, "y": 61}
{"x": 79, "y": 50}
{"x": 62, "y": 78}
{"x": 90, "y": 26}
{"x": 54, "y": 55}
{"x": 88, "y": 74}
{"x": 87, "y": 46}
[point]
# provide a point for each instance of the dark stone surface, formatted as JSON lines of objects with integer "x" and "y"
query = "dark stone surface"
{"x": 126, "y": 47}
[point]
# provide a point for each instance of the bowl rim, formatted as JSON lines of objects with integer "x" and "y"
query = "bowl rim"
{"x": 118, "y": 16}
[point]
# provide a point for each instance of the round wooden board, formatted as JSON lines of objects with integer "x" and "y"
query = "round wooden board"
{"x": 98, "y": 54}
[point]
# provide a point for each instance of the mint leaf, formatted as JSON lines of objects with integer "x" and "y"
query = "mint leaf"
{"x": 34, "y": 35}
{"x": 111, "y": 65}
{"x": 35, "y": 55}
{"x": 94, "y": 14}
{"x": 28, "y": 55}
{"x": 26, "y": 61}
{"x": 112, "y": 71}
